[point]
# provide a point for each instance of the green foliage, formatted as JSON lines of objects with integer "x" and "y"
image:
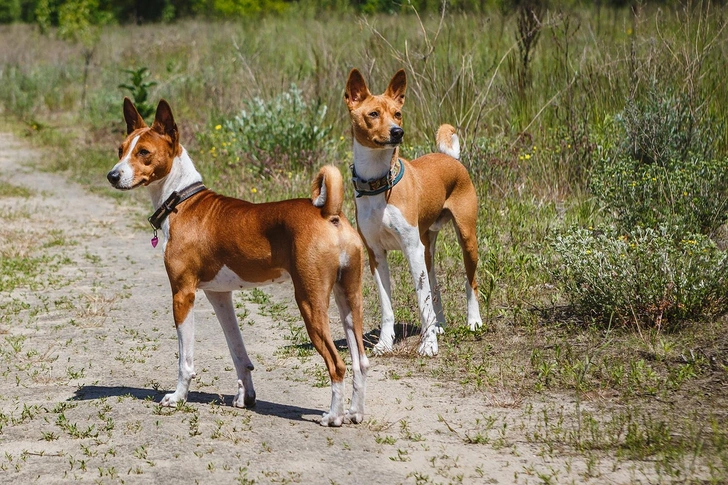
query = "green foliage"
{"x": 662, "y": 170}
{"x": 645, "y": 276}
{"x": 139, "y": 87}
{"x": 690, "y": 194}
{"x": 284, "y": 133}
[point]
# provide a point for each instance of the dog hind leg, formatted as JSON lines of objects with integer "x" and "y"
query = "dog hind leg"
{"x": 429, "y": 239}
{"x": 466, "y": 232}
{"x": 347, "y": 294}
{"x": 314, "y": 306}
{"x": 222, "y": 303}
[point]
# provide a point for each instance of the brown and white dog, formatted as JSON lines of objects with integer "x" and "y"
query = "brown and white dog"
{"x": 403, "y": 205}
{"x": 219, "y": 244}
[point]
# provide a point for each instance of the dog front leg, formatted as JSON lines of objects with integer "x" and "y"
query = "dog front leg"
{"x": 184, "y": 318}
{"x": 222, "y": 303}
{"x": 380, "y": 270}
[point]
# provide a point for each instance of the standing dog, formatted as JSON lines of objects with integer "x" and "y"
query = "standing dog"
{"x": 403, "y": 205}
{"x": 219, "y": 244}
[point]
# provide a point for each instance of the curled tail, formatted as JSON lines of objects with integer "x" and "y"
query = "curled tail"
{"x": 448, "y": 141}
{"x": 327, "y": 191}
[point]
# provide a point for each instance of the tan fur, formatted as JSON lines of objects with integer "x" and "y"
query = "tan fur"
{"x": 316, "y": 246}
{"x": 435, "y": 188}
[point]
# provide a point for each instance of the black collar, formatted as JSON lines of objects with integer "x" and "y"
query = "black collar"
{"x": 171, "y": 203}
{"x": 382, "y": 184}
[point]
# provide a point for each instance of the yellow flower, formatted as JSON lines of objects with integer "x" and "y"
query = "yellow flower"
{"x": 254, "y": 190}
{"x": 527, "y": 156}
{"x": 218, "y": 127}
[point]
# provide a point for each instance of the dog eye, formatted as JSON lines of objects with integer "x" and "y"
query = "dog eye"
{"x": 374, "y": 114}
{"x": 398, "y": 115}
{"x": 143, "y": 152}
{"x": 121, "y": 152}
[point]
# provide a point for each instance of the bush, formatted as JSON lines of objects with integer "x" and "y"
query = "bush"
{"x": 645, "y": 277}
{"x": 285, "y": 133}
{"x": 663, "y": 171}
{"x": 689, "y": 195}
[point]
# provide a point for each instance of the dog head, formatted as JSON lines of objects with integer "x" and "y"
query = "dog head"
{"x": 146, "y": 154}
{"x": 376, "y": 119}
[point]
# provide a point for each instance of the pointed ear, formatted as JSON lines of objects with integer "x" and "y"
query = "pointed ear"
{"x": 397, "y": 87}
{"x": 164, "y": 121}
{"x": 356, "y": 89}
{"x": 133, "y": 119}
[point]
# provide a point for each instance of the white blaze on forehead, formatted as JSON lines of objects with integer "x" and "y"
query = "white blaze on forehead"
{"x": 124, "y": 167}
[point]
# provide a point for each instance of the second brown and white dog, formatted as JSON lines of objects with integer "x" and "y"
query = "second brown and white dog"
{"x": 219, "y": 244}
{"x": 402, "y": 205}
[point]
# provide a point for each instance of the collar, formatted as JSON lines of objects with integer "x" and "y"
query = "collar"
{"x": 170, "y": 205}
{"x": 377, "y": 186}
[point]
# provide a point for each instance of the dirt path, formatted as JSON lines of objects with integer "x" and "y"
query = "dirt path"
{"x": 88, "y": 348}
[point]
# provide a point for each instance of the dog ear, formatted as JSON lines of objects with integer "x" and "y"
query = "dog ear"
{"x": 133, "y": 119}
{"x": 356, "y": 89}
{"x": 164, "y": 121}
{"x": 397, "y": 87}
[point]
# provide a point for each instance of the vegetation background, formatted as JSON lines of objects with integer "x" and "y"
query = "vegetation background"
{"x": 595, "y": 133}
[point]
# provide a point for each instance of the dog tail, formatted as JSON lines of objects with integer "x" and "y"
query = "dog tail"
{"x": 327, "y": 191}
{"x": 448, "y": 141}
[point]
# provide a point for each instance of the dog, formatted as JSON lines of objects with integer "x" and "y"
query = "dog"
{"x": 402, "y": 205}
{"x": 219, "y": 244}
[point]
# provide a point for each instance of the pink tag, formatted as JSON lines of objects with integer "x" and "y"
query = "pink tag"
{"x": 155, "y": 240}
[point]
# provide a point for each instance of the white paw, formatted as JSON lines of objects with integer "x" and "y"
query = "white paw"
{"x": 352, "y": 416}
{"x": 170, "y": 400}
{"x": 475, "y": 324}
{"x": 382, "y": 347}
{"x": 439, "y": 328}
{"x": 428, "y": 346}
{"x": 244, "y": 400}
{"x": 332, "y": 420}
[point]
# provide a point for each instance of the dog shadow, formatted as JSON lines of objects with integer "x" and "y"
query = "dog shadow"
{"x": 263, "y": 408}
{"x": 402, "y": 331}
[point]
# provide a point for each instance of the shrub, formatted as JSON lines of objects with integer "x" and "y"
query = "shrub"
{"x": 285, "y": 133}
{"x": 662, "y": 170}
{"x": 689, "y": 195}
{"x": 646, "y": 276}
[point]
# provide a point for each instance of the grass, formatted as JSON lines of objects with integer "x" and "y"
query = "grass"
{"x": 529, "y": 146}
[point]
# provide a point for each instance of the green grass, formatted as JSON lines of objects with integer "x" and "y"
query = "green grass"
{"x": 530, "y": 149}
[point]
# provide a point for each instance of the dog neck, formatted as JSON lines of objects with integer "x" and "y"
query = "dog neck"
{"x": 182, "y": 174}
{"x": 373, "y": 163}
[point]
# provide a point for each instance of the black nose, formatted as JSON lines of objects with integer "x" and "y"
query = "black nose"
{"x": 114, "y": 176}
{"x": 396, "y": 134}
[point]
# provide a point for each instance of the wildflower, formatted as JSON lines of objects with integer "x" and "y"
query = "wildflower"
{"x": 254, "y": 190}
{"x": 527, "y": 156}
{"x": 218, "y": 127}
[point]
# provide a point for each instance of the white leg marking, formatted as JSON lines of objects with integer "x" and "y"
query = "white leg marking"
{"x": 359, "y": 362}
{"x": 474, "y": 320}
{"x": 335, "y": 416}
{"x": 186, "y": 340}
{"x": 435, "y": 288}
{"x": 382, "y": 279}
{"x": 222, "y": 303}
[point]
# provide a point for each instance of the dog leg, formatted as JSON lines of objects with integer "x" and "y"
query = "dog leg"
{"x": 352, "y": 321}
{"x": 465, "y": 230}
{"x": 430, "y": 240}
{"x": 222, "y": 303}
{"x": 415, "y": 254}
{"x": 384, "y": 289}
{"x": 183, "y": 305}
{"x": 314, "y": 306}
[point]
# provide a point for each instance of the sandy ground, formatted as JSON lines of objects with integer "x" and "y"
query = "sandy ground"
{"x": 88, "y": 348}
